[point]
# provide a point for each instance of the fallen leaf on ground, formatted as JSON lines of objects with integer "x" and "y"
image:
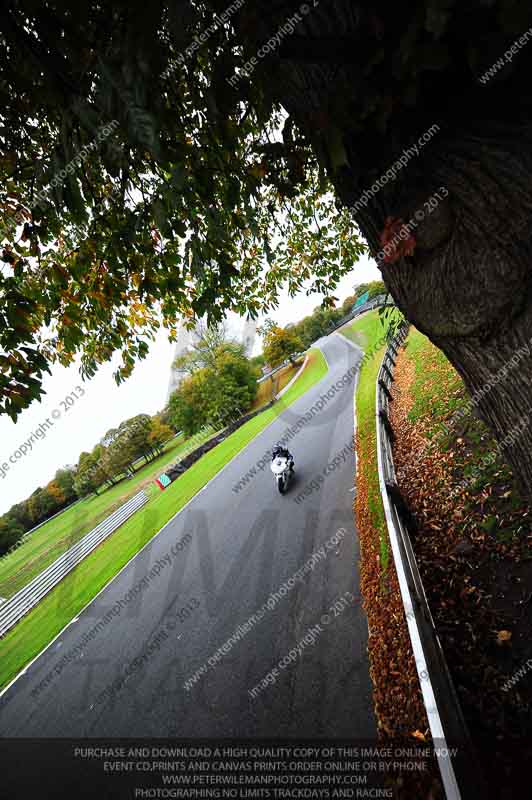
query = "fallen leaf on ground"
{"x": 503, "y": 636}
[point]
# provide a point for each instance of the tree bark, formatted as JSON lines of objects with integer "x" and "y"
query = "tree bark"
{"x": 500, "y": 370}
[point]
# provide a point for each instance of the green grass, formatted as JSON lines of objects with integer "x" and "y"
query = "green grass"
{"x": 365, "y": 404}
{"x": 437, "y": 390}
{"x": 367, "y": 332}
{"x": 45, "y": 621}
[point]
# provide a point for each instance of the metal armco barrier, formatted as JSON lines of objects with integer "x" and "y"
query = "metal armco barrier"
{"x": 12, "y": 610}
{"x": 461, "y": 774}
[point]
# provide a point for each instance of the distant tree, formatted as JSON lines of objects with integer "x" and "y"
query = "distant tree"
{"x": 57, "y": 493}
{"x": 188, "y": 404}
{"x": 373, "y": 288}
{"x": 166, "y": 418}
{"x": 280, "y": 344}
{"x": 235, "y": 386}
{"x": 267, "y": 326}
{"x": 202, "y": 352}
{"x": 109, "y": 437}
{"x": 10, "y": 533}
{"x": 159, "y": 433}
{"x": 318, "y": 324}
{"x": 308, "y": 329}
{"x": 124, "y": 445}
{"x": 102, "y": 474}
{"x": 34, "y": 508}
{"x": 258, "y": 361}
{"x": 41, "y": 504}
{"x": 330, "y": 317}
{"x": 134, "y": 437}
{"x": 215, "y": 395}
{"x": 115, "y": 461}
{"x": 88, "y": 475}
{"x": 119, "y": 450}
{"x": 20, "y": 514}
{"x": 65, "y": 480}
{"x": 348, "y": 303}
{"x": 376, "y": 288}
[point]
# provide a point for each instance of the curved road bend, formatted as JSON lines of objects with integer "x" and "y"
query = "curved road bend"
{"x": 237, "y": 549}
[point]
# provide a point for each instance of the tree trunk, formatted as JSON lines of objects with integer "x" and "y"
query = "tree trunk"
{"x": 498, "y": 374}
{"x": 467, "y": 282}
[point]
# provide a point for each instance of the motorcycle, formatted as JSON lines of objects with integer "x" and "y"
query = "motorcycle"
{"x": 282, "y": 469}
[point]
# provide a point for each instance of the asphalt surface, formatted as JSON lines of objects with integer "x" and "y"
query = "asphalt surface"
{"x": 236, "y": 549}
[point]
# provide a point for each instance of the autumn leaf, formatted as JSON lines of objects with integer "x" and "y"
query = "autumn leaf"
{"x": 503, "y": 636}
{"x": 392, "y": 237}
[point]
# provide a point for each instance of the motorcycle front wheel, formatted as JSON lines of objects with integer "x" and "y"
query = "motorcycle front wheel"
{"x": 281, "y": 485}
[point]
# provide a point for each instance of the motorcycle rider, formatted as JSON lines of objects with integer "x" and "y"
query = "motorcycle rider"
{"x": 282, "y": 452}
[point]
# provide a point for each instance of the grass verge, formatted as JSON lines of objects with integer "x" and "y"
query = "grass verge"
{"x": 366, "y": 330}
{"x": 45, "y": 621}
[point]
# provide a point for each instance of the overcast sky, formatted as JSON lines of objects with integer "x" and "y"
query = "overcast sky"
{"x": 104, "y": 404}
